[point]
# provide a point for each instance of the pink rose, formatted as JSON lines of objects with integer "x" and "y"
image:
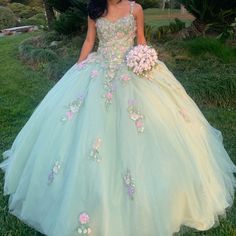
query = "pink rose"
{"x": 69, "y": 115}
{"x": 84, "y": 218}
{"x": 139, "y": 124}
{"x": 109, "y": 95}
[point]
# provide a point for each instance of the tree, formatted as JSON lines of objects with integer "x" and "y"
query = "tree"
{"x": 73, "y": 16}
{"x": 209, "y": 12}
{"x": 49, "y": 13}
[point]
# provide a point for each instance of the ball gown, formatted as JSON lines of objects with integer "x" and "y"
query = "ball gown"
{"x": 109, "y": 153}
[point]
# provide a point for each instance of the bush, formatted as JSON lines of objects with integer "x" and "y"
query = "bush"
{"x": 36, "y": 56}
{"x": 4, "y": 2}
{"x": 149, "y": 3}
{"x": 211, "y": 11}
{"x": 56, "y": 69}
{"x": 7, "y": 18}
{"x": 153, "y": 33}
{"x": 39, "y": 20}
{"x": 201, "y": 46}
{"x": 73, "y": 17}
{"x": 72, "y": 21}
{"x": 23, "y": 11}
{"x": 54, "y": 60}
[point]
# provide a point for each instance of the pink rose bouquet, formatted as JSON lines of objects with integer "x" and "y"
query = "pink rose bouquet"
{"x": 142, "y": 59}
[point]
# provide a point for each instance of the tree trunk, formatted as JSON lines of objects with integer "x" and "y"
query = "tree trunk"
{"x": 49, "y": 13}
{"x": 182, "y": 9}
{"x": 163, "y": 4}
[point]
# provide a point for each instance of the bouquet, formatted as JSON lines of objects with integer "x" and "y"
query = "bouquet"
{"x": 142, "y": 59}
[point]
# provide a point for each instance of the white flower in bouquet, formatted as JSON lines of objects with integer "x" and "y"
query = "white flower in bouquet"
{"x": 142, "y": 59}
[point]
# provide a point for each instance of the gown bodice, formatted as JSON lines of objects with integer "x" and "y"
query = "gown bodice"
{"x": 115, "y": 37}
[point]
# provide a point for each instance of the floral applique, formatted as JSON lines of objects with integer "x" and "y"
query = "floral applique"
{"x": 110, "y": 87}
{"x": 73, "y": 107}
{"x": 184, "y": 114}
{"x": 135, "y": 115}
{"x": 129, "y": 184}
{"x": 54, "y": 171}
{"x": 81, "y": 65}
{"x": 124, "y": 79}
{"x": 94, "y": 153}
{"x": 84, "y": 228}
{"x": 91, "y": 58}
{"x": 94, "y": 74}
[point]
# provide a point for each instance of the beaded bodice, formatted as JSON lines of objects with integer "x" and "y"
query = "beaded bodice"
{"x": 115, "y": 38}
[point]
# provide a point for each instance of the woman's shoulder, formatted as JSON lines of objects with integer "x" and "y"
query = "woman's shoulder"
{"x": 137, "y": 7}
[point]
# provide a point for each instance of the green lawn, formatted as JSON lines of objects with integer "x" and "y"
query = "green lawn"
{"x": 21, "y": 89}
{"x": 156, "y": 17}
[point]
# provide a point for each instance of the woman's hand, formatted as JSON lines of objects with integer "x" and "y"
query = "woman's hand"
{"x": 138, "y": 14}
{"x": 89, "y": 40}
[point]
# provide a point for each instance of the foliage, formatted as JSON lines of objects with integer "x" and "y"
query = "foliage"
{"x": 209, "y": 11}
{"x": 24, "y": 11}
{"x": 173, "y": 4}
{"x": 227, "y": 31}
{"x": 73, "y": 17}
{"x": 4, "y": 2}
{"x": 72, "y": 21}
{"x": 154, "y": 33}
{"x": 149, "y": 3}
{"x": 38, "y": 20}
{"x": 50, "y": 52}
{"x": 201, "y": 46}
{"x": 207, "y": 68}
{"x": 7, "y": 18}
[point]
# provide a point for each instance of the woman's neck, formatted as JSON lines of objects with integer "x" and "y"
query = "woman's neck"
{"x": 113, "y": 2}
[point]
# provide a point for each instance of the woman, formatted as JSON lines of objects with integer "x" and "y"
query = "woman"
{"x": 109, "y": 153}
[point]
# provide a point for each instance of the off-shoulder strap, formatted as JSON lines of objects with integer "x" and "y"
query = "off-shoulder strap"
{"x": 132, "y": 7}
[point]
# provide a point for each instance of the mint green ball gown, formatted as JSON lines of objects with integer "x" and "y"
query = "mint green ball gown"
{"x": 109, "y": 153}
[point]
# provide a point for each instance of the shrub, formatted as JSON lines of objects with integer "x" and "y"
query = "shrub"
{"x": 149, "y": 3}
{"x": 73, "y": 16}
{"x": 72, "y": 21}
{"x": 165, "y": 30}
{"x": 39, "y": 20}
{"x": 36, "y": 56}
{"x": 211, "y": 12}
{"x": 201, "y": 46}
{"x": 23, "y": 11}
{"x": 4, "y": 2}
{"x": 56, "y": 69}
{"x": 7, "y": 18}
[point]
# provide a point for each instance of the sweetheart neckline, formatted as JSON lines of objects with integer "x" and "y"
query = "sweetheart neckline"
{"x": 123, "y": 17}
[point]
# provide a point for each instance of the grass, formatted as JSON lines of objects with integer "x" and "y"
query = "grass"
{"x": 21, "y": 89}
{"x": 156, "y": 17}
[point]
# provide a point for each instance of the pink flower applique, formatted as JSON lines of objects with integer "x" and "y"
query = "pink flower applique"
{"x": 94, "y": 74}
{"x": 110, "y": 87}
{"x": 84, "y": 228}
{"x": 135, "y": 115}
{"x": 73, "y": 107}
{"x": 94, "y": 153}
{"x": 125, "y": 79}
{"x": 81, "y": 65}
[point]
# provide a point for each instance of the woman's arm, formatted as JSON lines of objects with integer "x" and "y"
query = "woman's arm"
{"x": 89, "y": 40}
{"x": 138, "y": 13}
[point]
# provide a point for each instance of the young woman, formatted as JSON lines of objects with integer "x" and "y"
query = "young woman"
{"x": 109, "y": 153}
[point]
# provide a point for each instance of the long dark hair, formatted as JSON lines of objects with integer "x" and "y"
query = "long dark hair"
{"x": 97, "y": 8}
